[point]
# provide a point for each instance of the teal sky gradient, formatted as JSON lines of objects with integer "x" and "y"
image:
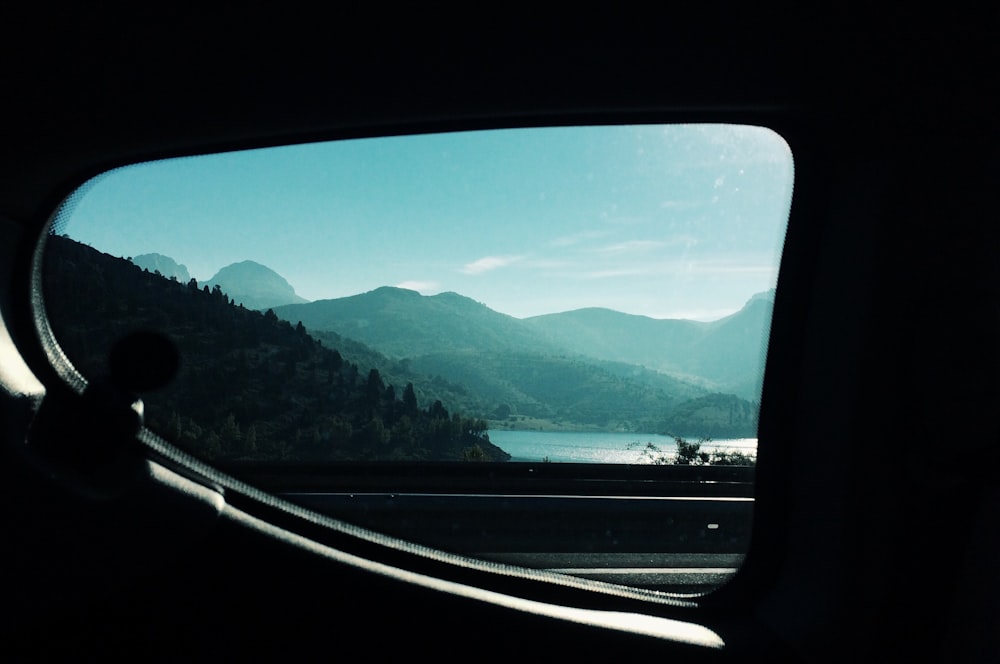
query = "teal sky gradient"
{"x": 679, "y": 221}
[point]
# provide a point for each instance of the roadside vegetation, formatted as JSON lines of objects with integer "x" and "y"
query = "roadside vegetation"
{"x": 689, "y": 453}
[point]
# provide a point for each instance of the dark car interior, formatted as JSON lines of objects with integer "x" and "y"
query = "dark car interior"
{"x": 875, "y": 502}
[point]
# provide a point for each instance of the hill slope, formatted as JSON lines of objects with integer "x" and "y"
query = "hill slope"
{"x": 402, "y": 323}
{"x": 250, "y": 386}
{"x": 571, "y": 373}
{"x": 725, "y": 355}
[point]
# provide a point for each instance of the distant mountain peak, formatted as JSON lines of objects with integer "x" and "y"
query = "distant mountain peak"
{"x": 396, "y": 291}
{"x": 165, "y": 265}
{"x": 248, "y": 265}
{"x": 452, "y": 296}
{"x": 254, "y": 285}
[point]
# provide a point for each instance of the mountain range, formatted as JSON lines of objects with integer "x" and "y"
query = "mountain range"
{"x": 590, "y": 368}
{"x": 726, "y": 355}
{"x": 403, "y": 323}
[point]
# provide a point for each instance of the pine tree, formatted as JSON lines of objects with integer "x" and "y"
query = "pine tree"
{"x": 409, "y": 401}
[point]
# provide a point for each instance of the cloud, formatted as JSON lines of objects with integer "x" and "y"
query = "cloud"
{"x": 624, "y": 219}
{"x": 680, "y": 269}
{"x": 488, "y": 264}
{"x": 678, "y": 205}
{"x": 632, "y": 246}
{"x": 730, "y": 268}
{"x": 615, "y": 273}
{"x": 577, "y": 238}
{"x": 423, "y": 287}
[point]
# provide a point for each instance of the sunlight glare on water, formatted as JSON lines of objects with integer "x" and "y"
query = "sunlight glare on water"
{"x": 577, "y": 447}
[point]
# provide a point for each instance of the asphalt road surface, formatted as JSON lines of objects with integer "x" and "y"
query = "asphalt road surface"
{"x": 675, "y": 544}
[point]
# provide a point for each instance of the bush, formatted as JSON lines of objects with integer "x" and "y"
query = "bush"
{"x": 689, "y": 453}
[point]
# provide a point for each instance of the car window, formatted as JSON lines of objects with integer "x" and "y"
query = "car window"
{"x": 563, "y": 296}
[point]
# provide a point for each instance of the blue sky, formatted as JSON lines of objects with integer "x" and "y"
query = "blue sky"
{"x": 676, "y": 221}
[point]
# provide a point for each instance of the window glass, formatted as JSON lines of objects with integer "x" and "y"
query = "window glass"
{"x": 566, "y": 295}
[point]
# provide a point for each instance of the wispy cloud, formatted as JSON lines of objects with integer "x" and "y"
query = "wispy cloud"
{"x": 632, "y": 246}
{"x": 577, "y": 238}
{"x": 677, "y": 269}
{"x": 727, "y": 268}
{"x": 423, "y": 287}
{"x": 624, "y": 220}
{"x": 616, "y": 273}
{"x": 678, "y": 205}
{"x": 488, "y": 264}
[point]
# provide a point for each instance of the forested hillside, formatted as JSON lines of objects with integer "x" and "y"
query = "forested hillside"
{"x": 560, "y": 372}
{"x": 250, "y": 386}
{"x": 404, "y": 323}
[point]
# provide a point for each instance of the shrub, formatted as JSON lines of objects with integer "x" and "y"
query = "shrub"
{"x": 689, "y": 453}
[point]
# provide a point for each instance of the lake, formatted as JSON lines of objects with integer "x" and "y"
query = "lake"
{"x": 589, "y": 447}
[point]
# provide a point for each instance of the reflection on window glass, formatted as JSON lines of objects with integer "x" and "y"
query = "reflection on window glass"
{"x": 575, "y": 294}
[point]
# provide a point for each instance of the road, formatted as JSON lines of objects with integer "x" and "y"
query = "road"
{"x": 673, "y": 543}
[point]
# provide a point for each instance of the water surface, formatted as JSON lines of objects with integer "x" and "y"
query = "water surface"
{"x": 590, "y": 447}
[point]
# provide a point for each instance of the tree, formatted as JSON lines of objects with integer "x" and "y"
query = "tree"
{"x": 373, "y": 437}
{"x": 402, "y": 434}
{"x": 473, "y": 453}
{"x": 250, "y": 441}
{"x": 374, "y": 389}
{"x": 229, "y": 435}
{"x": 437, "y": 411}
{"x": 690, "y": 454}
{"x": 389, "y": 405}
{"x": 410, "y": 407}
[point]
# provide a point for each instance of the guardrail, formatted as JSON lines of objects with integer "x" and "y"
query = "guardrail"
{"x": 676, "y": 528}
{"x": 529, "y": 507}
{"x": 497, "y": 478}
